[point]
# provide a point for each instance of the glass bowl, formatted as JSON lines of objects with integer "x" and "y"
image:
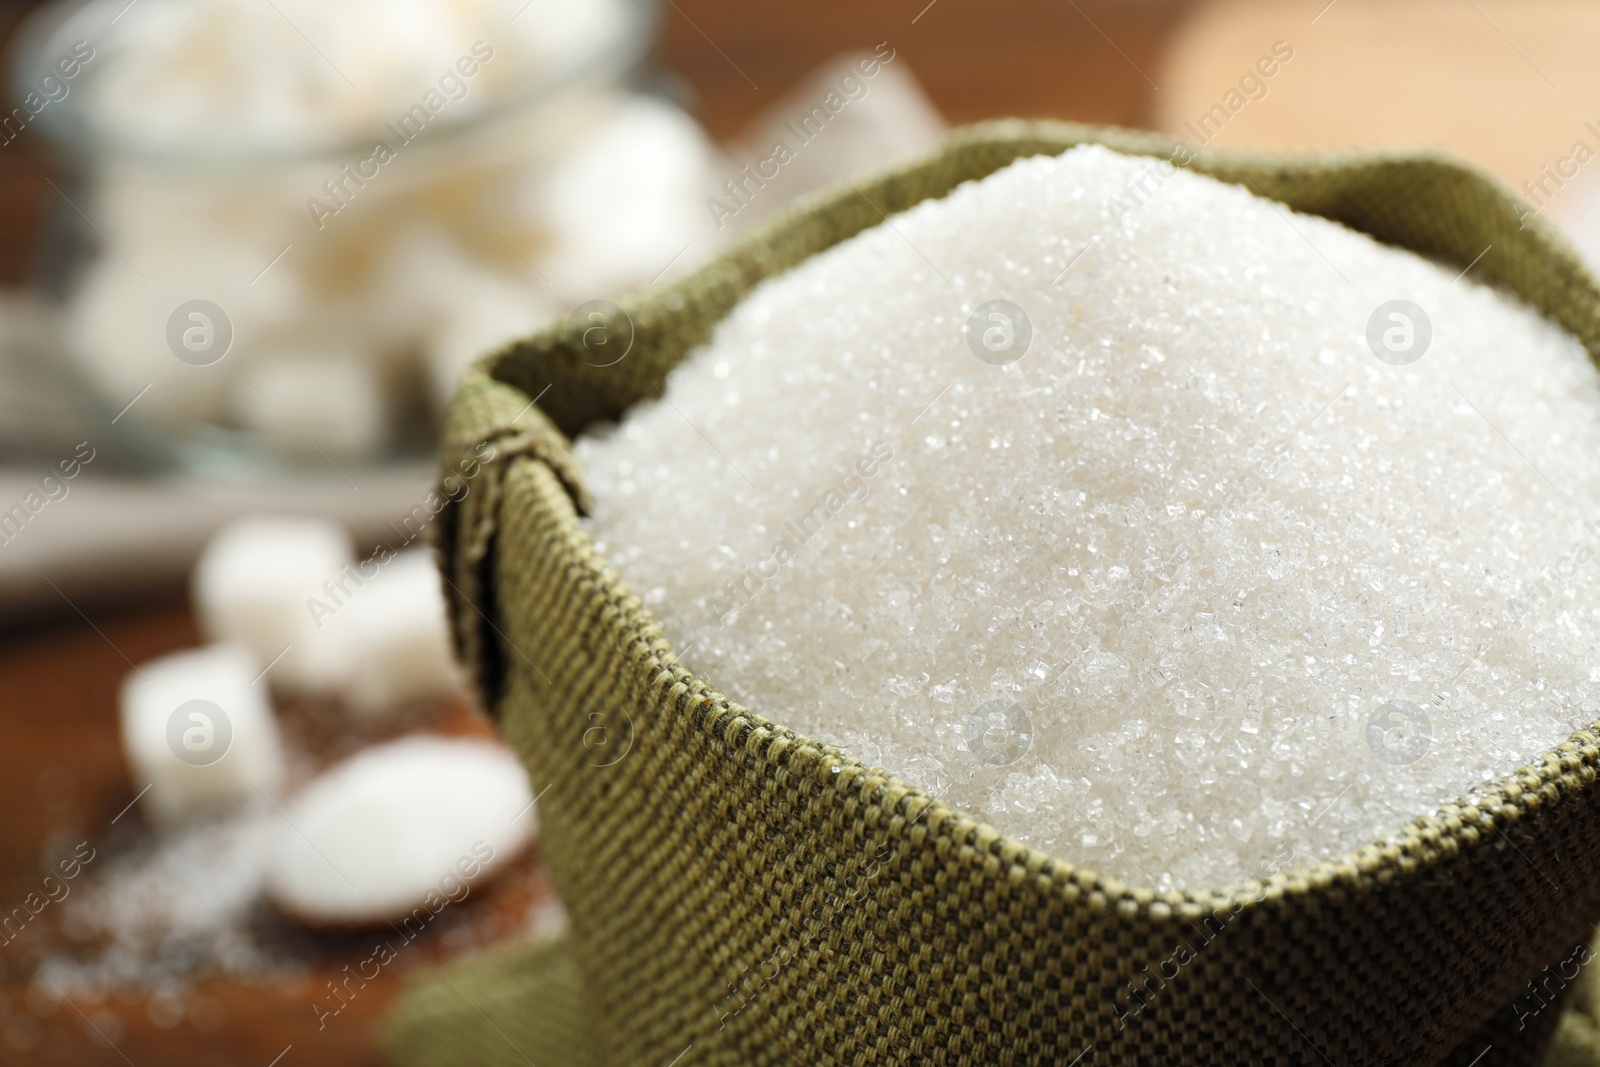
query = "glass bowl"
{"x": 263, "y": 296}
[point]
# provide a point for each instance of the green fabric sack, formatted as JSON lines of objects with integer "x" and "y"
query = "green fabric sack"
{"x": 743, "y": 896}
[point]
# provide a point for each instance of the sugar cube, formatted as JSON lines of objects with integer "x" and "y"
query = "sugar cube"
{"x": 263, "y": 583}
{"x": 854, "y": 114}
{"x": 398, "y": 637}
{"x": 484, "y": 310}
{"x": 627, "y": 204}
{"x": 317, "y": 404}
{"x": 198, "y": 732}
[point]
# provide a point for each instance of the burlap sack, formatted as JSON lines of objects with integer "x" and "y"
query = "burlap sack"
{"x": 743, "y": 896}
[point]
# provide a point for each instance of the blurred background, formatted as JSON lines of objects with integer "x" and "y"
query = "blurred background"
{"x": 247, "y": 247}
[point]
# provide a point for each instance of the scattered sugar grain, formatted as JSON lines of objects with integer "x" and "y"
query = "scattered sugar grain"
{"x": 1197, "y": 588}
{"x": 184, "y": 907}
{"x": 188, "y": 904}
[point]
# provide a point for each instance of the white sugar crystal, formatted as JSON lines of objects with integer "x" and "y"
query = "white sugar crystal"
{"x": 1198, "y": 587}
{"x": 259, "y": 583}
{"x": 401, "y": 826}
{"x": 198, "y": 733}
{"x": 398, "y": 636}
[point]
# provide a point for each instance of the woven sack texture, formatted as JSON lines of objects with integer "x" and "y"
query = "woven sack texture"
{"x": 523, "y": 1005}
{"x": 743, "y": 896}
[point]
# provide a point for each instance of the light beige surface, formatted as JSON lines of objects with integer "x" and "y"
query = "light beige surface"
{"x": 1508, "y": 84}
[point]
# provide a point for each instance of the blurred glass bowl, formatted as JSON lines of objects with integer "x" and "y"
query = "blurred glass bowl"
{"x": 254, "y": 303}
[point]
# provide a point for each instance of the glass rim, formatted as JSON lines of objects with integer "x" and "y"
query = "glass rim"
{"x": 51, "y": 29}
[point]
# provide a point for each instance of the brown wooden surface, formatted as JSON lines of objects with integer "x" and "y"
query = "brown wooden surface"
{"x": 61, "y": 774}
{"x": 25, "y": 166}
{"x": 62, "y": 780}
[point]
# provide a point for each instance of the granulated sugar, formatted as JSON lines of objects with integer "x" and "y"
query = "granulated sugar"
{"x": 186, "y": 906}
{"x": 1197, "y": 588}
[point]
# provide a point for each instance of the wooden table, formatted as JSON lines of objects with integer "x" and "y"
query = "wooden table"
{"x": 61, "y": 773}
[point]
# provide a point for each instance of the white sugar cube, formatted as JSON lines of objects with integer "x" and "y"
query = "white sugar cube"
{"x": 400, "y": 831}
{"x": 265, "y": 583}
{"x": 490, "y": 314}
{"x": 398, "y": 637}
{"x": 858, "y": 112}
{"x": 197, "y": 730}
{"x": 627, "y": 203}
{"x": 179, "y": 326}
{"x": 313, "y": 403}
{"x": 417, "y": 269}
{"x": 549, "y": 33}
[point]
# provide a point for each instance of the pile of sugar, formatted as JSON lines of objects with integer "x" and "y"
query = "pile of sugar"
{"x": 1196, "y": 589}
{"x": 180, "y": 908}
{"x": 185, "y": 906}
